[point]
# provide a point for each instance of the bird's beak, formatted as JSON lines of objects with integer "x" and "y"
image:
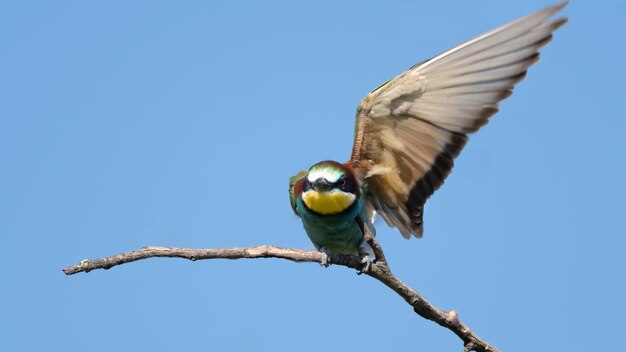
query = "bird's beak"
{"x": 321, "y": 185}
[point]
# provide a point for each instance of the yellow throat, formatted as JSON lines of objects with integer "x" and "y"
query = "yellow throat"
{"x": 327, "y": 203}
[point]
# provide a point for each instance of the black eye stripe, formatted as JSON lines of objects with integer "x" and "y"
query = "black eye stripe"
{"x": 344, "y": 183}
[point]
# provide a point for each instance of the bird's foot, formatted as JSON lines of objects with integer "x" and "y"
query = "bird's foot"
{"x": 367, "y": 265}
{"x": 325, "y": 257}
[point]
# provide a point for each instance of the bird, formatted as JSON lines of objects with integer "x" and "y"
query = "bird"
{"x": 408, "y": 132}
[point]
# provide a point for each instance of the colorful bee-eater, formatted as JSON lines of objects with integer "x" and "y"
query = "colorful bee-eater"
{"x": 408, "y": 132}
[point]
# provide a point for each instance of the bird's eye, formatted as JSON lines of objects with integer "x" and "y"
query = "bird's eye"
{"x": 307, "y": 185}
{"x": 343, "y": 183}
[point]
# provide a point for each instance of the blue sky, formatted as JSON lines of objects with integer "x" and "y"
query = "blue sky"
{"x": 125, "y": 124}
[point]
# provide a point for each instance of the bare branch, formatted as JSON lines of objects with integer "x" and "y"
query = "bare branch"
{"x": 197, "y": 254}
{"x": 378, "y": 270}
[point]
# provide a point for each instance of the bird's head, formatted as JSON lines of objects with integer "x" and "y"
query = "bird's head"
{"x": 329, "y": 188}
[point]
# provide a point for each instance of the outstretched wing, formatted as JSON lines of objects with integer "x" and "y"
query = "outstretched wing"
{"x": 410, "y": 129}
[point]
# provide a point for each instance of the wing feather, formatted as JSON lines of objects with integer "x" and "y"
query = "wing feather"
{"x": 410, "y": 129}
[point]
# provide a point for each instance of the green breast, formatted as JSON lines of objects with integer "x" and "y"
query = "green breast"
{"x": 340, "y": 233}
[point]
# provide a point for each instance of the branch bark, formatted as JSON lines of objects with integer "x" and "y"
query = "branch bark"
{"x": 379, "y": 270}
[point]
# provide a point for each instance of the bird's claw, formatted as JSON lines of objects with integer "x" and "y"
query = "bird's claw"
{"x": 325, "y": 257}
{"x": 367, "y": 265}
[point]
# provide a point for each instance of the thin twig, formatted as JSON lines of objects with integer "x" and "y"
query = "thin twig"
{"x": 378, "y": 270}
